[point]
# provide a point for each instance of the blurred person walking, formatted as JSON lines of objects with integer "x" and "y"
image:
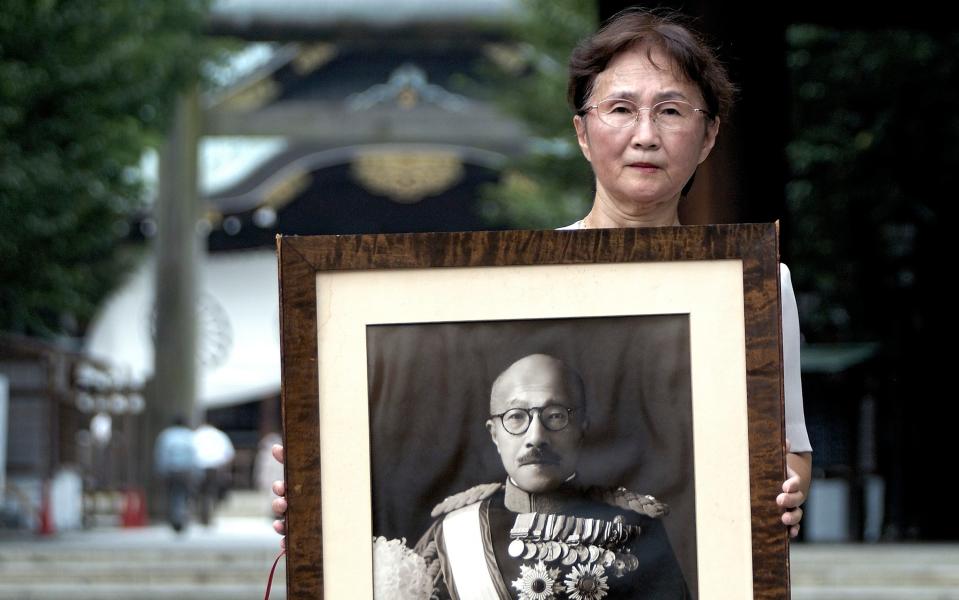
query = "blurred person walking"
{"x": 215, "y": 454}
{"x": 175, "y": 461}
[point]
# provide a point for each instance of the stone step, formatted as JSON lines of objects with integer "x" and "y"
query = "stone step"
{"x": 874, "y": 593}
{"x": 234, "y": 560}
{"x": 892, "y": 553}
{"x": 875, "y": 572}
{"x": 217, "y": 557}
{"x": 876, "y": 575}
{"x": 875, "y": 566}
{"x": 171, "y": 591}
{"x": 230, "y": 559}
{"x": 159, "y": 573}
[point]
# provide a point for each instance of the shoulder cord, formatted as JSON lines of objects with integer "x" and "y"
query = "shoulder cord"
{"x": 627, "y": 500}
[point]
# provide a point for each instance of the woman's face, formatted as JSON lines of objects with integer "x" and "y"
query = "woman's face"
{"x": 641, "y": 170}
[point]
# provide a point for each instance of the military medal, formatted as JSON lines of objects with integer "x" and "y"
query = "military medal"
{"x": 522, "y": 525}
{"x": 538, "y": 527}
{"x": 594, "y": 550}
{"x": 608, "y": 558}
{"x": 586, "y": 583}
{"x": 542, "y": 551}
{"x": 538, "y": 582}
{"x": 569, "y": 526}
{"x": 574, "y": 538}
{"x": 571, "y": 557}
{"x": 551, "y": 553}
{"x": 617, "y": 567}
{"x": 530, "y": 550}
{"x": 548, "y": 527}
{"x": 582, "y": 553}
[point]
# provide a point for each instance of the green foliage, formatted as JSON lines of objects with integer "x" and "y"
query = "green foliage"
{"x": 551, "y": 185}
{"x": 872, "y": 163}
{"x": 85, "y": 87}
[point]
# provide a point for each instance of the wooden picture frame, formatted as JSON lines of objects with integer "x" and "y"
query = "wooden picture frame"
{"x": 338, "y": 293}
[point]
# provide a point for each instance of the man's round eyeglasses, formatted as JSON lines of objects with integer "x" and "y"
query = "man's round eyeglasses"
{"x": 669, "y": 115}
{"x": 554, "y": 417}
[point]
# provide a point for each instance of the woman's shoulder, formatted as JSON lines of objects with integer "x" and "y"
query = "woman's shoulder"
{"x": 785, "y": 277}
{"x": 576, "y": 225}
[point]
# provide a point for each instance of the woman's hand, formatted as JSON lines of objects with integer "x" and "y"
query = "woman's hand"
{"x": 795, "y": 489}
{"x": 279, "y": 504}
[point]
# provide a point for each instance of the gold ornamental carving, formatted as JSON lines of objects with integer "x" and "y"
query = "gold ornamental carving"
{"x": 253, "y": 96}
{"x": 407, "y": 177}
{"x": 311, "y": 57}
{"x": 286, "y": 189}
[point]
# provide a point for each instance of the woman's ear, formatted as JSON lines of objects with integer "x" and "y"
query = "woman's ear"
{"x": 709, "y": 140}
{"x": 582, "y": 136}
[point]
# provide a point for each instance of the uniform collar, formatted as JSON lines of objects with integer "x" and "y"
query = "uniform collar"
{"x": 521, "y": 501}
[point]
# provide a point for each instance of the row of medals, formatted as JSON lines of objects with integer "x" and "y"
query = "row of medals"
{"x": 574, "y": 540}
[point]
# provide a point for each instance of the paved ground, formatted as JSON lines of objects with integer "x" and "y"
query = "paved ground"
{"x": 225, "y": 532}
{"x": 231, "y": 560}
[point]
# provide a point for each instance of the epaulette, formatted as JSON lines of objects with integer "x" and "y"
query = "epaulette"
{"x": 620, "y": 497}
{"x": 474, "y": 494}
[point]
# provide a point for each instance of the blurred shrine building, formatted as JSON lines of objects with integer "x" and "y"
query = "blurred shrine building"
{"x": 332, "y": 118}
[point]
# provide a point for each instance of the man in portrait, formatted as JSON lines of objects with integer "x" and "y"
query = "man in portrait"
{"x": 540, "y": 535}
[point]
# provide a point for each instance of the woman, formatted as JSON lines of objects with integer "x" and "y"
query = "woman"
{"x": 648, "y": 97}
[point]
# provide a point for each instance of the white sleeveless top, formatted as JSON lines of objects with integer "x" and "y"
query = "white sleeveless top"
{"x": 792, "y": 381}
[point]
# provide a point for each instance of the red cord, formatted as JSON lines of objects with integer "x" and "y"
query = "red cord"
{"x": 269, "y": 582}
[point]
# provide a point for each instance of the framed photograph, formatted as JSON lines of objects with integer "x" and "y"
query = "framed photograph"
{"x": 394, "y": 347}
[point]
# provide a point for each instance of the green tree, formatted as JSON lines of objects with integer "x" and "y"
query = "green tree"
{"x": 873, "y": 168}
{"x": 551, "y": 185}
{"x": 85, "y": 87}
{"x": 872, "y": 162}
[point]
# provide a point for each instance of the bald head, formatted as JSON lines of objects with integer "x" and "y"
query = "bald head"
{"x": 541, "y": 373}
{"x": 538, "y": 458}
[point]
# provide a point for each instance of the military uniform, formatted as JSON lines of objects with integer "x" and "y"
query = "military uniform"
{"x": 497, "y": 542}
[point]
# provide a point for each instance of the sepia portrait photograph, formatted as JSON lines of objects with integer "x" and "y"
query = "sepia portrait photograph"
{"x": 550, "y": 425}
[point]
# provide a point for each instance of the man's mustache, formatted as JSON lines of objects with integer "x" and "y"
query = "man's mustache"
{"x": 537, "y": 455}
